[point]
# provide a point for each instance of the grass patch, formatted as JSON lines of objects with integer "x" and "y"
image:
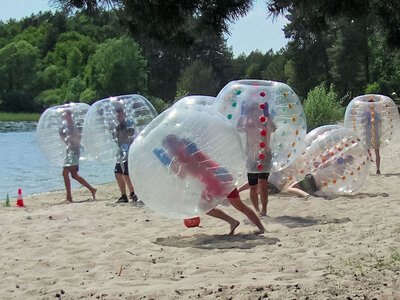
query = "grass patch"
{"x": 390, "y": 262}
{"x": 364, "y": 265}
{"x": 18, "y": 117}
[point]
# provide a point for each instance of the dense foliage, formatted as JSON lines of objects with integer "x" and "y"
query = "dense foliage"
{"x": 92, "y": 53}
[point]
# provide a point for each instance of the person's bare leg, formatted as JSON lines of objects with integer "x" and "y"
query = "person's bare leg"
{"x": 217, "y": 213}
{"x": 377, "y": 161}
{"x": 121, "y": 183}
{"x": 128, "y": 182}
{"x": 243, "y": 187}
{"x": 295, "y": 189}
{"x": 81, "y": 180}
{"x": 263, "y": 190}
{"x": 240, "y": 206}
{"x": 67, "y": 183}
{"x": 254, "y": 197}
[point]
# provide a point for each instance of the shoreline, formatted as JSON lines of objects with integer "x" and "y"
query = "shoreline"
{"x": 315, "y": 248}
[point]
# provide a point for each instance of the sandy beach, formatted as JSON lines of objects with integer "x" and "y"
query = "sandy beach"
{"x": 342, "y": 248}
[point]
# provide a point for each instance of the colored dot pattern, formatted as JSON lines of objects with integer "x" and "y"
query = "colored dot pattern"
{"x": 277, "y": 101}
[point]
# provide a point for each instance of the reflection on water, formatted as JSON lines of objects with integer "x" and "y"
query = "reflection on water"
{"x": 23, "y": 166}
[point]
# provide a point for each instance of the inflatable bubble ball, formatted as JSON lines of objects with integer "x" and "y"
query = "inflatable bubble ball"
{"x": 270, "y": 119}
{"x": 296, "y": 170}
{"x": 187, "y": 160}
{"x": 336, "y": 158}
{"x": 374, "y": 118}
{"x": 112, "y": 124}
{"x": 59, "y": 133}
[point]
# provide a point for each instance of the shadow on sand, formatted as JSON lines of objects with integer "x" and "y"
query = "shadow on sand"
{"x": 357, "y": 196}
{"x": 296, "y": 222}
{"x": 204, "y": 241}
{"x": 366, "y": 195}
{"x": 391, "y": 174}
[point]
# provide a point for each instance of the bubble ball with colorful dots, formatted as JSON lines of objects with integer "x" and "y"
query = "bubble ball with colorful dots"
{"x": 192, "y": 154}
{"x": 111, "y": 125}
{"x": 375, "y": 118}
{"x": 58, "y": 133}
{"x": 270, "y": 119}
{"x": 317, "y": 133}
{"x": 298, "y": 168}
{"x": 336, "y": 157}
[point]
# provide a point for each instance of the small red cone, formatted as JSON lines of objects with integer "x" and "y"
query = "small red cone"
{"x": 20, "y": 201}
{"x": 192, "y": 222}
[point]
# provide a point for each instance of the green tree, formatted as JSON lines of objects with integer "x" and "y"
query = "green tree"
{"x": 175, "y": 16}
{"x": 385, "y": 66}
{"x": 318, "y": 13}
{"x": 276, "y": 69}
{"x": 289, "y": 72}
{"x": 349, "y": 57}
{"x": 19, "y": 62}
{"x": 74, "y": 89}
{"x": 197, "y": 79}
{"x": 307, "y": 50}
{"x": 71, "y": 48}
{"x": 117, "y": 67}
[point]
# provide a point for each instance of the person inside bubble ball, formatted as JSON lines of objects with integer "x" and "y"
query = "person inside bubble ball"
{"x": 372, "y": 128}
{"x": 185, "y": 159}
{"x": 70, "y": 134}
{"x": 124, "y": 135}
{"x": 257, "y": 124}
{"x": 311, "y": 184}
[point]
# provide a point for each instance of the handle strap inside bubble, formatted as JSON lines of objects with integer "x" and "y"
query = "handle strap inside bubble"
{"x": 162, "y": 156}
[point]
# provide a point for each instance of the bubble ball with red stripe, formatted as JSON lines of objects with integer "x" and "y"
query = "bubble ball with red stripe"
{"x": 270, "y": 119}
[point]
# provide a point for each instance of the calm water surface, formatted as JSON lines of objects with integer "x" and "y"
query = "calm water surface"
{"x": 23, "y": 166}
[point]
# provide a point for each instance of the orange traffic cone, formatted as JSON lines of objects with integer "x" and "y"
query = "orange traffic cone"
{"x": 20, "y": 201}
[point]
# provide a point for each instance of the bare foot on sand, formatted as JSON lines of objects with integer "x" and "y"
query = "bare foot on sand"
{"x": 259, "y": 231}
{"x": 234, "y": 225}
{"x": 263, "y": 213}
{"x": 94, "y": 193}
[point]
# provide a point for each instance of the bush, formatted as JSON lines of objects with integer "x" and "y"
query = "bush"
{"x": 372, "y": 88}
{"x": 50, "y": 98}
{"x": 322, "y": 107}
{"x": 158, "y": 103}
{"x": 382, "y": 87}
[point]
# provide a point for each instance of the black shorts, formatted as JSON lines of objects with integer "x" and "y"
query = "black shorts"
{"x": 253, "y": 177}
{"x": 119, "y": 170}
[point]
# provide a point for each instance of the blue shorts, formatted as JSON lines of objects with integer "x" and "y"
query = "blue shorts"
{"x": 121, "y": 169}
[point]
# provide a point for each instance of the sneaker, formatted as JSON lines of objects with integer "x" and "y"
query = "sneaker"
{"x": 134, "y": 197}
{"x": 123, "y": 199}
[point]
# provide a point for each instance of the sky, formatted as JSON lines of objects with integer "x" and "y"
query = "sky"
{"x": 253, "y": 32}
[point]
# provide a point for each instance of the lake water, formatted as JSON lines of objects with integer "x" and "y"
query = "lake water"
{"x": 23, "y": 166}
